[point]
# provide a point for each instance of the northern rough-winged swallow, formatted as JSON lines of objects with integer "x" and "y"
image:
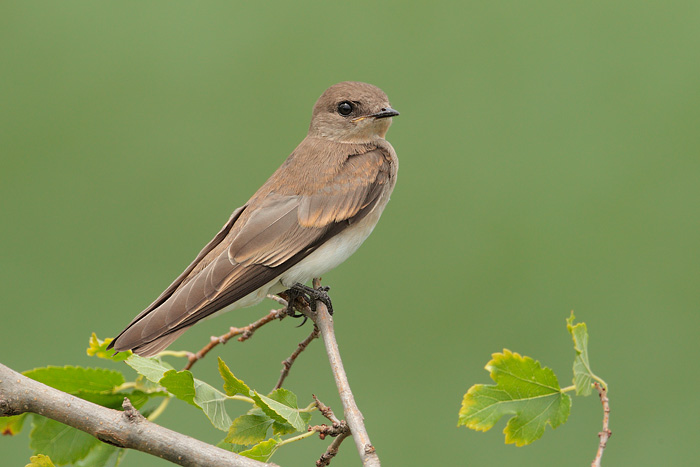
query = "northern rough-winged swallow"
{"x": 310, "y": 216}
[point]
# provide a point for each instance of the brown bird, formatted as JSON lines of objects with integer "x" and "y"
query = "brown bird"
{"x": 310, "y": 216}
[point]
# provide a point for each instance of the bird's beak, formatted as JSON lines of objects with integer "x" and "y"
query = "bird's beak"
{"x": 384, "y": 113}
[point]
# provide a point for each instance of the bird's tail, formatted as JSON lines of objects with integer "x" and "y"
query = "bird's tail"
{"x": 149, "y": 349}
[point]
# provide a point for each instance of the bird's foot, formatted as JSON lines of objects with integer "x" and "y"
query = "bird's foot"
{"x": 295, "y": 300}
{"x": 309, "y": 295}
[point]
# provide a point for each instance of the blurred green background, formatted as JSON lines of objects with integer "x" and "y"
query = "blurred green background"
{"x": 550, "y": 161}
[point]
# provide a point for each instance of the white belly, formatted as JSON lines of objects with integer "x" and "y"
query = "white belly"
{"x": 333, "y": 252}
{"x": 326, "y": 257}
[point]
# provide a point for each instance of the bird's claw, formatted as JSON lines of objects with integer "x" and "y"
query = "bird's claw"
{"x": 310, "y": 296}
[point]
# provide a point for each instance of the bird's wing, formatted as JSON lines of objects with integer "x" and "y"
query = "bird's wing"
{"x": 276, "y": 234}
{"x": 194, "y": 264}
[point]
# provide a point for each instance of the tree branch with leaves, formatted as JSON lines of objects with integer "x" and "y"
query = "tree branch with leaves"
{"x": 96, "y": 395}
{"x": 531, "y": 394}
{"x": 98, "y": 415}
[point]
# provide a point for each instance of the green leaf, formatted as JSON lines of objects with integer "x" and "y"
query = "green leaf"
{"x": 180, "y": 384}
{"x": 96, "y": 385}
{"x": 237, "y": 448}
{"x": 40, "y": 460}
{"x": 12, "y": 425}
{"x": 74, "y": 379}
{"x": 282, "y": 429}
{"x": 583, "y": 375}
{"x": 232, "y": 385}
{"x": 98, "y": 348}
{"x": 103, "y": 455}
{"x": 151, "y": 368}
{"x": 263, "y": 451}
{"x": 288, "y": 398}
{"x": 524, "y": 389}
{"x": 285, "y": 397}
{"x": 65, "y": 445}
{"x": 211, "y": 402}
{"x": 249, "y": 429}
{"x": 284, "y": 412}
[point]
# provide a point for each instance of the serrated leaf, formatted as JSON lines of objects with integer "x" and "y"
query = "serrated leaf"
{"x": 285, "y": 397}
{"x": 63, "y": 444}
{"x": 583, "y": 375}
{"x": 10, "y": 426}
{"x": 288, "y": 398}
{"x": 266, "y": 409}
{"x": 262, "y": 451}
{"x": 525, "y": 390}
{"x": 232, "y": 385}
{"x": 98, "y": 348}
{"x": 74, "y": 379}
{"x": 95, "y": 385}
{"x": 151, "y": 368}
{"x": 249, "y": 429}
{"x": 205, "y": 397}
{"x": 280, "y": 412}
{"x": 103, "y": 455}
{"x": 282, "y": 429}
{"x": 255, "y": 410}
{"x": 180, "y": 384}
{"x": 40, "y": 460}
{"x": 211, "y": 402}
{"x": 237, "y": 448}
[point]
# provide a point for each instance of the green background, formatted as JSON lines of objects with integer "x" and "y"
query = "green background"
{"x": 550, "y": 159}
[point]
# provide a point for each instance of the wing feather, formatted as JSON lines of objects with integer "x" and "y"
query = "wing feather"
{"x": 276, "y": 233}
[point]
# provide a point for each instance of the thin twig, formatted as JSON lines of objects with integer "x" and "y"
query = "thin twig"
{"x": 287, "y": 364}
{"x": 332, "y": 450}
{"x": 354, "y": 418}
{"x": 325, "y": 410}
{"x": 127, "y": 429}
{"x": 340, "y": 430}
{"x": 606, "y": 433}
{"x": 245, "y": 332}
{"x": 336, "y": 429}
{"x": 277, "y": 299}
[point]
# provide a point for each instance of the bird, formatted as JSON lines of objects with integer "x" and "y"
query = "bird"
{"x": 314, "y": 212}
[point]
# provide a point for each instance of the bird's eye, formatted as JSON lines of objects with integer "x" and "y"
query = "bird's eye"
{"x": 345, "y": 108}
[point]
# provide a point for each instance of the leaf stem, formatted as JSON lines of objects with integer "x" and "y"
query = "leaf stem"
{"x": 568, "y": 388}
{"x": 309, "y": 408}
{"x": 600, "y": 380}
{"x": 296, "y": 438}
{"x": 174, "y": 353}
{"x": 239, "y": 397}
{"x": 127, "y": 385}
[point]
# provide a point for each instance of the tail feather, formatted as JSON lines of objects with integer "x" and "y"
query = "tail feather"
{"x": 151, "y": 348}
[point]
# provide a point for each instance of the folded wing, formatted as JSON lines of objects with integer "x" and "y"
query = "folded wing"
{"x": 256, "y": 247}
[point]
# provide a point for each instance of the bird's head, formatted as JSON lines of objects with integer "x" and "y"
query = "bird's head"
{"x": 352, "y": 112}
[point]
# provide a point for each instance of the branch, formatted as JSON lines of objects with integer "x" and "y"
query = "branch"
{"x": 606, "y": 433}
{"x": 332, "y": 450}
{"x": 324, "y": 322}
{"x": 287, "y": 364}
{"x": 127, "y": 429}
{"x": 325, "y": 410}
{"x": 340, "y": 430}
{"x": 245, "y": 332}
